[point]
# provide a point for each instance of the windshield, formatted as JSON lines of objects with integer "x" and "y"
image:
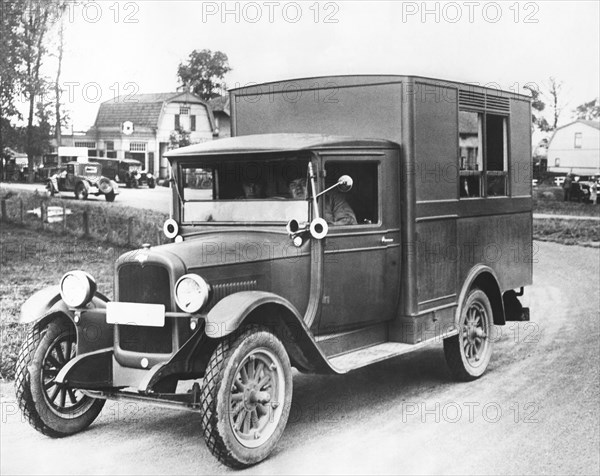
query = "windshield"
{"x": 244, "y": 191}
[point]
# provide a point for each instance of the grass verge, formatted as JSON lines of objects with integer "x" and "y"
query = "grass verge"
{"x": 31, "y": 261}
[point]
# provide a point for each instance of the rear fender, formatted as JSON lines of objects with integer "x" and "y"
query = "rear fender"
{"x": 484, "y": 278}
{"x": 276, "y": 313}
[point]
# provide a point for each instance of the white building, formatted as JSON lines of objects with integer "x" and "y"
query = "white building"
{"x": 140, "y": 126}
{"x": 575, "y": 148}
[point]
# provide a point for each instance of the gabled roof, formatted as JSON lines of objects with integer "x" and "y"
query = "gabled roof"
{"x": 276, "y": 143}
{"x": 594, "y": 124}
{"x": 141, "y": 109}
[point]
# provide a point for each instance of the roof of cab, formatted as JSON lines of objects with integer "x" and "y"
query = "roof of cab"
{"x": 276, "y": 143}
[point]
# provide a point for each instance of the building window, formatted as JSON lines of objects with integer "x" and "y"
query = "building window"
{"x": 483, "y": 170}
{"x": 110, "y": 145}
{"x": 192, "y": 123}
{"x": 183, "y": 110}
{"x": 86, "y": 144}
{"x": 137, "y": 147}
{"x": 557, "y": 162}
{"x": 111, "y": 154}
{"x": 578, "y": 136}
{"x": 177, "y": 122}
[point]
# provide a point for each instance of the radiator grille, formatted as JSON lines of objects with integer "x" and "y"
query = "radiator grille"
{"x": 145, "y": 284}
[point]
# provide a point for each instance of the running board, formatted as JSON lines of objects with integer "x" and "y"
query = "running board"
{"x": 376, "y": 353}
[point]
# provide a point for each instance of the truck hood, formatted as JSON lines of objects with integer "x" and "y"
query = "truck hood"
{"x": 221, "y": 247}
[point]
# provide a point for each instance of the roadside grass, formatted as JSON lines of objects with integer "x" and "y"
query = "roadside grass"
{"x": 119, "y": 225}
{"x": 31, "y": 261}
{"x": 567, "y": 232}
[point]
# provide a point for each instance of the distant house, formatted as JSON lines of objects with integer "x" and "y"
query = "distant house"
{"x": 140, "y": 126}
{"x": 575, "y": 148}
{"x": 222, "y": 113}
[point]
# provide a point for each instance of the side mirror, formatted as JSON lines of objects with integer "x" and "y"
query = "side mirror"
{"x": 345, "y": 183}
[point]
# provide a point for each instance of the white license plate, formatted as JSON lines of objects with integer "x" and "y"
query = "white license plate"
{"x": 135, "y": 314}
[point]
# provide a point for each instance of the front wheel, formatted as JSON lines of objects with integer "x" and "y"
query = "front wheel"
{"x": 246, "y": 397}
{"x": 110, "y": 196}
{"x": 468, "y": 353}
{"x": 52, "y": 409}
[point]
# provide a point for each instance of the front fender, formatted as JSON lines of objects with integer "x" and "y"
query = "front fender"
{"x": 48, "y": 301}
{"x": 229, "y": 313}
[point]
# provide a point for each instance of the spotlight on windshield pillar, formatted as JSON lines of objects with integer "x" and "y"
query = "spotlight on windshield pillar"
{"x": 319, "y": 228}
{"x": 170, "y": 228}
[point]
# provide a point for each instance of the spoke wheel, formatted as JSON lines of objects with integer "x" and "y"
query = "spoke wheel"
{"x": 246, "y": 397}
{"x": 258, "y": 389}
{"x": 61, "y": 399}
{"x": 468, "y": 353}
{"x": 53, "y": 409}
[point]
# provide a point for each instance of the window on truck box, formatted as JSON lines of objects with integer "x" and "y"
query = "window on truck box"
{"x": 470, "y": 135}
{"x": 483, "y": 170}
{"x": 496, "y": 155}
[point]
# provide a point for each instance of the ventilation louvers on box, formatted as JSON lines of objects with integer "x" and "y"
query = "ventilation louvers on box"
{"x": 481, "y": 101}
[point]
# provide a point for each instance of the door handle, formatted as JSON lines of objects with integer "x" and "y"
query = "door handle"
{"x": 385, "y": 240}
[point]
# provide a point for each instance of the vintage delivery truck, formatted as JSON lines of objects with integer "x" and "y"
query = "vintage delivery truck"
{"x": 351, "y": 219}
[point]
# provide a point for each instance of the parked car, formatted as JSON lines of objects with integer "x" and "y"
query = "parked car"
{"x": 126, "y": 171}
{"x": 83, "y": 179}
{"x": 580, "y": 192}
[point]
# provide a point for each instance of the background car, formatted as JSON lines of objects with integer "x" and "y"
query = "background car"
{"x": 83, "y": 178}
{"x": 126, "y": 171}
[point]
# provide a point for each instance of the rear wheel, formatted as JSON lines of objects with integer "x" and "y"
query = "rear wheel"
{"x": 110, "y": 196}
{"x": 246, "y": 397}
{"x": 468, "y": 353}
{"x": 52, "y": 409}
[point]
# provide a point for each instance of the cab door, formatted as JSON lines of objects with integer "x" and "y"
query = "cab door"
{"x": 361, "y": 267}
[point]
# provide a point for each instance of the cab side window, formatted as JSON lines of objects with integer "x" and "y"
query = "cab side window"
{"x": 362, "y": 199}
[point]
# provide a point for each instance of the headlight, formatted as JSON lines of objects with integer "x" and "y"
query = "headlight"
{"x": 77, "y": 288}
{"x": 191, "y": 293}
{"x": 149, "y": 175}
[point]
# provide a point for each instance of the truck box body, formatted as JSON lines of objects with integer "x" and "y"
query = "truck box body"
{"x": 445, "y": 231}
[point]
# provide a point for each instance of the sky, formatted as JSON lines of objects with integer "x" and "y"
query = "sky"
{"x": 118, "y": 48}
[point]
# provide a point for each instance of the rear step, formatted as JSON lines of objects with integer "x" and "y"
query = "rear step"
{"x": 376, "y": 353}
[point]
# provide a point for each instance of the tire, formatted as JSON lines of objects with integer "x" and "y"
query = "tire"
{"x": 81, "y": 192}
{"x": 468, "y": 353}
{"x": 244, "y": 413}
{"x": 53, "y": 410}
{"x": 110, "y": 197}
{"x": 151, "y": 184}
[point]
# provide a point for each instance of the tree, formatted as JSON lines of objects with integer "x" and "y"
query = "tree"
{"x": 179, "y": 138}
{"x": 537, "y": 106}
{"x": 554, "y": 92}
{"x": 203, "y": 73}
{"x": 11, "y": 50}
{"x": 588, "y": 110}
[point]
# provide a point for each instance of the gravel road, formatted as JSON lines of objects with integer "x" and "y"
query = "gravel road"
{"x": 536, "y": 410}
